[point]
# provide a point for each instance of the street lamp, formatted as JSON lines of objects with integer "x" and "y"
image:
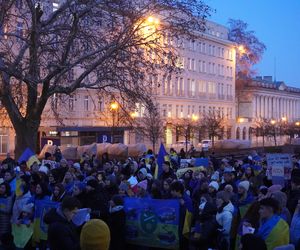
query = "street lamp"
{"x": 297, "y": 124}
{"x": 114, "y": 106}
{"x": 284, "y": 119}
{"x": 273, "y": 122}
{"x": 195, "y": 118}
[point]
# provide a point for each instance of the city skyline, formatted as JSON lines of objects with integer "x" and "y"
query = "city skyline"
{"x": 276, "y": 26}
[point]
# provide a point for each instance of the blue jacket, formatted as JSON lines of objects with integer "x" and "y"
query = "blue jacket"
{"x": 295, "y": 229}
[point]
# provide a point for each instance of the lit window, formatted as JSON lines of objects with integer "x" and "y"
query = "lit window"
{"x": 86, "y": 103}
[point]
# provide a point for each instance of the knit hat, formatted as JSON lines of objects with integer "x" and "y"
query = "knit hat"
{"x": 118, "y": 200}
{"x": 215, "y": 176}
{"x": 143, "y": 171}
{"x": 214, "y": 185}
{"x": 143, "y": 184}
{"x": 95, "y": 235}
{"x": 76, "y": 165}
{"x": 280, "y": 197}
{"x": 92, "y": 183}
{"x": 274, "y": 188}
{"x": 245, "y": 185}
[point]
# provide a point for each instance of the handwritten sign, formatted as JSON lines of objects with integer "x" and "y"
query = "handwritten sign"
{"x": 279, "y": 167}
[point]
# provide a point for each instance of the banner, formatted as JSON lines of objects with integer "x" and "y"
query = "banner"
{"x": 279, "y": 167}
{"x": 152, "y": 223}
{"x": 181, "y": 171}
{"x": 40, "y": 229}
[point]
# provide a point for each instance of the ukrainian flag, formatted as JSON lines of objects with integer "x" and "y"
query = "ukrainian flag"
{"x": 29, "y": 157}
{"x": 161, "y": 158}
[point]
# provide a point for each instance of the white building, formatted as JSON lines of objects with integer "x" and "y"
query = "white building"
{"x": 263, "y": 98}
{"x": 207, "y": 84}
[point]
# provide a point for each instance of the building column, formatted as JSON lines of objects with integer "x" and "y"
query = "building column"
{"x": 270, "y": 109}
{"x": 254, "y": 106}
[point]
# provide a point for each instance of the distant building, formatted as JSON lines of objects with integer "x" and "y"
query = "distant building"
{"x": 262, "y": 98}
{"x": 206, "y": 85}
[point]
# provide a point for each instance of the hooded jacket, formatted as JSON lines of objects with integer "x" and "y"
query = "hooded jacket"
{"x": 224, "y": 218}
{"x": 62, "y": 234}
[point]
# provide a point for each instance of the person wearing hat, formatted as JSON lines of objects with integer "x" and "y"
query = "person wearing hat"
{"x": 228, "y": 179}
{"x": 213, "y": 188}
{"x": 273, "y": 230}
{"x": 62, "y": 233}
{"x": 79, "y": 192}
{"x": 95, "y": 235}
{"x": 283, "y": 212}
{"x": 224, "y": 218}
{"x": 117, "y": 223}
{"x": 245, "y": 198}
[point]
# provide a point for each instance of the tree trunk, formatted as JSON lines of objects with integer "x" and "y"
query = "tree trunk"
{"x": 26, "y": 137}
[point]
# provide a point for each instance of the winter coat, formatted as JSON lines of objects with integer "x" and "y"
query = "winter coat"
{"x": 5, "y": 214}
{"x": 62, "y": 234}
{"x": 224, "y": 219}
{"x": 164, "y": 175}
{"x": 295, "y": 229}
{"x": 97, "y": 201}
{"x": 293, "y": 200}
{"x": 116, "y": 223}
{"x": 20, "y": 202}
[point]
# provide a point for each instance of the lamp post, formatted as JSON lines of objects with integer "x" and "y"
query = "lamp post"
{"x": 114, "y": 106}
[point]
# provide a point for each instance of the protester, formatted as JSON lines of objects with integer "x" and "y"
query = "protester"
{"x": 95, "y": 235}
{"x": 62, "y": 233}
{"x": 215, "y": 203}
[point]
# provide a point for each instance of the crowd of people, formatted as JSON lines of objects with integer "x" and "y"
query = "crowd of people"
{"x": 233, "y": 202}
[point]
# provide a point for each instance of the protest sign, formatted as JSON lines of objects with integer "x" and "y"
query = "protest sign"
{"x": 279, "y": 167}
{"x": 181, "y": 171}
{"x": 152, "y": 223}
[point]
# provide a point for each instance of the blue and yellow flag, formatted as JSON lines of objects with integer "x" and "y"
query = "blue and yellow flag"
{"x": 40, "y": 229}
{"x": 161, "y": 158}
{"x": 29, "y": 157}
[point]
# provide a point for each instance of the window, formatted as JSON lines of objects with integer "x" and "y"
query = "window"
{"x": 214, "y": 68}
{"x": 193, "y": 65}
{"x": 164, "y": 110}
{"x": 222, "y": 70}
{"x": 71, "y": 103}
{"x": 211, "y": 88}
{"x": 177, "y": 86}
{"x": 219, "y": 51}
{"x": 193, "y": 88}
{"x": 219, "y": 69}
{"x": 170, "y": 110}
{"x": 189, "y": 111}
{"x": 180, "y": 62}
{"x": 100, "y": 104}
{"x": 181, "y": 82}
{"x": 3, "y": 140}
{"x": 204, "y": 67}
{"x": 177, "y": 111}
{"x": 202, "y": 87}
{"x": 86, "y": 103}
{"x": 181, "y": 111}
{"x": 231, "y": 72}
{"x": 213, "y": 50}
{"x": 222, "y": 53}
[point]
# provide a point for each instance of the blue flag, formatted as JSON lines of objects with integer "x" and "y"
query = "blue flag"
{"x": 161, "y": 158}
{"x": 201, "y": 162}
{"x": 29, "y": 156}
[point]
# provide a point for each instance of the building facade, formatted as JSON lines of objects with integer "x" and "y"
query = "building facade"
{"x": 206, "y": 84}
{"x": 264, "y": 99}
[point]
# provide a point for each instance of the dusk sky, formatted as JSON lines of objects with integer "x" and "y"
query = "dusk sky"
{"x": 277, "y": 24}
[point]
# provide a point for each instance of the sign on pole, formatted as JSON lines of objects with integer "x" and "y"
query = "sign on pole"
{"x": 279, "y": 167}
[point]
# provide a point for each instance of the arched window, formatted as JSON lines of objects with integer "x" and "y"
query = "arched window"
{"x": 244, "y": 133}
{"x": 238, "y": 133}
{"x": 250, "y": 133}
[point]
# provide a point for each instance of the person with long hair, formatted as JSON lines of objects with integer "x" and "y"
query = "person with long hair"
{"x": 5, "y": 208}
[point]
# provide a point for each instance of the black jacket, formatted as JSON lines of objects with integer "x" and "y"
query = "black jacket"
{"x": 62, "y": 234}
{"x": 117, "y": 228}
{"x": 292, "y": 201}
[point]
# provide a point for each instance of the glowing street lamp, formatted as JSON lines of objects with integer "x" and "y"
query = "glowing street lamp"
{"x": 273, "y": 122}
{"x": 284, "y": 119}
{"x": 242, "y": 49}
{"x": 297, "y": 124}
{"x": 114, "y": 106}
{"x": 241, "y": 120}
{"x": 195, "y": 118}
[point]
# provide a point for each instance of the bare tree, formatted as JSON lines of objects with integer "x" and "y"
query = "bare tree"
{"x": 214, "y": 124}
{"x": 266, "y": 128}
{"x": 186, "y": 127}
{"x": 95, "y": 44}
{"x": 151, "y": 125}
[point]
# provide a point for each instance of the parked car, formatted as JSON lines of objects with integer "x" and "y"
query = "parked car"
{"x": 206, "y": 144}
